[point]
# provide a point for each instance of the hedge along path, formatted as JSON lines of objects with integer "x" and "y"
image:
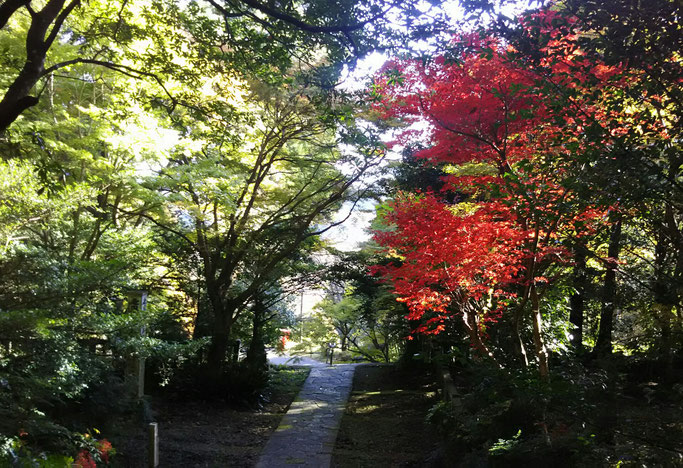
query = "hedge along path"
{"x": 307, "y": 432}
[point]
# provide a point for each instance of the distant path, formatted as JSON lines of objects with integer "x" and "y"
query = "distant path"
{"x": 307, "y": 433}
{"x": 286, "y": 360}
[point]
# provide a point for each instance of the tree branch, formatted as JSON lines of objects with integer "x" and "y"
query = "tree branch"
{"x": 8, "y": 8}
{"x": 302, "y": 25}
{"x": 59, "y": 22}
{"x": 123, "y": 69}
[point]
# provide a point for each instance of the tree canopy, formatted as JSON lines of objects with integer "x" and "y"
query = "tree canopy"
{"x": 168, "y": 170}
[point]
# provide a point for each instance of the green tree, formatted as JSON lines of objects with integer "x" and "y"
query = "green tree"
{"x": 263, "y": 38}
{"x": 245, "y": 201}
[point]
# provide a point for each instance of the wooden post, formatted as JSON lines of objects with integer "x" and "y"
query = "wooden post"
{"x": 153, "y": 445}
{"x": 141, "y": 361}
{"x": 141, "y": 378}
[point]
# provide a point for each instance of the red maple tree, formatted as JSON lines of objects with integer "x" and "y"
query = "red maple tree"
{"x": 494, "y": 250}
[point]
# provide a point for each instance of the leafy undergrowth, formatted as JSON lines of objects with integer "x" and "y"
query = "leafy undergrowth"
{"x": 215, "y": 433}
{"x": 603, "y": 415}
{"x": 384, "y": 423}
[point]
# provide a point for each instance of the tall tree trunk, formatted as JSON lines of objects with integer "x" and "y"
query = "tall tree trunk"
{"x": 603, "y": 346}
{"x": 665, "y": 288}
{"x": 539, "y": 342}
{"x": 218, "y": 350}
{"x": 672, "y": 217}
{"x": 577, "y": 300}
{"x": 220, "y": 339}
{"x": 256, "y": 353}
{"x": 343, "y": 346}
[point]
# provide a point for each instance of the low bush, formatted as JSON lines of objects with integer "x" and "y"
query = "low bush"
{"x": 582, "y": 416}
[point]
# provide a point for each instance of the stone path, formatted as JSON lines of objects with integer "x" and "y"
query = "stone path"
{"x": 306, "y": 434}
{"x": 287, "y": 360}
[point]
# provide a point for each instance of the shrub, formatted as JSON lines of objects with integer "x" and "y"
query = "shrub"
{"x": 238, "y": 383}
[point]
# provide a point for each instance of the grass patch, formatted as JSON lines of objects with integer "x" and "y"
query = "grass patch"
{"x": 287, "y": 380}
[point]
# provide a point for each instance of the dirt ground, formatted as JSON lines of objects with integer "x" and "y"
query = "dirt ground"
{"x": 384, "y": 423}
{"x": 212, "y": 433}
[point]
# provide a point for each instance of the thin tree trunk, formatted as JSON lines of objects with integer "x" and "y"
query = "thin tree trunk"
{"x": 539, "y": 342}
{"x": 469, "y": 318}
{"x": 603, "y": 346}
{"x": 520, "y": 349}
{"x": 678, "y": 279}
{"x": 577, "y": 300}
{"x": 672, "y": 214}
{"x": 344, "y": 343}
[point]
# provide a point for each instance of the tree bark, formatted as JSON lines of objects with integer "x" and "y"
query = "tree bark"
{"x": 678, "y": 281}
{"x": 8, "y": 8}
{"x": 412, "y": 344}
{"x": 577, "y": 300}
{"x": 603, "y": 345}
{"x": 665, "y": 294}
{"x": 343, "y": 345}
{"x": 220, "y": 339}
{"x": 520, "y": 349}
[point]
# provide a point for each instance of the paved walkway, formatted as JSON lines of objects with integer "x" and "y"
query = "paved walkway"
{"x": 287, "y": 360}
{"x": 306, "y": 434}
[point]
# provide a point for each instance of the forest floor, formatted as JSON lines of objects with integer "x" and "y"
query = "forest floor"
{"x": 384, "y": 422}
{"x": 212, "y": 433}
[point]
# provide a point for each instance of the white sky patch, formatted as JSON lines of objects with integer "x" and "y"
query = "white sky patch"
{"x": 358, "y": 78}
{"x": 355, "y": 230}
{"x": 166, "y": 140}
{"x": 148, "y": 142}
{"x": 303, "y": 306}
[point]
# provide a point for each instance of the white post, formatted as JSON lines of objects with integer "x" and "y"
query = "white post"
{"x": 153, "y": 447}
{"x": 301, "y": 319}
{"x": 135, "y": 366}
